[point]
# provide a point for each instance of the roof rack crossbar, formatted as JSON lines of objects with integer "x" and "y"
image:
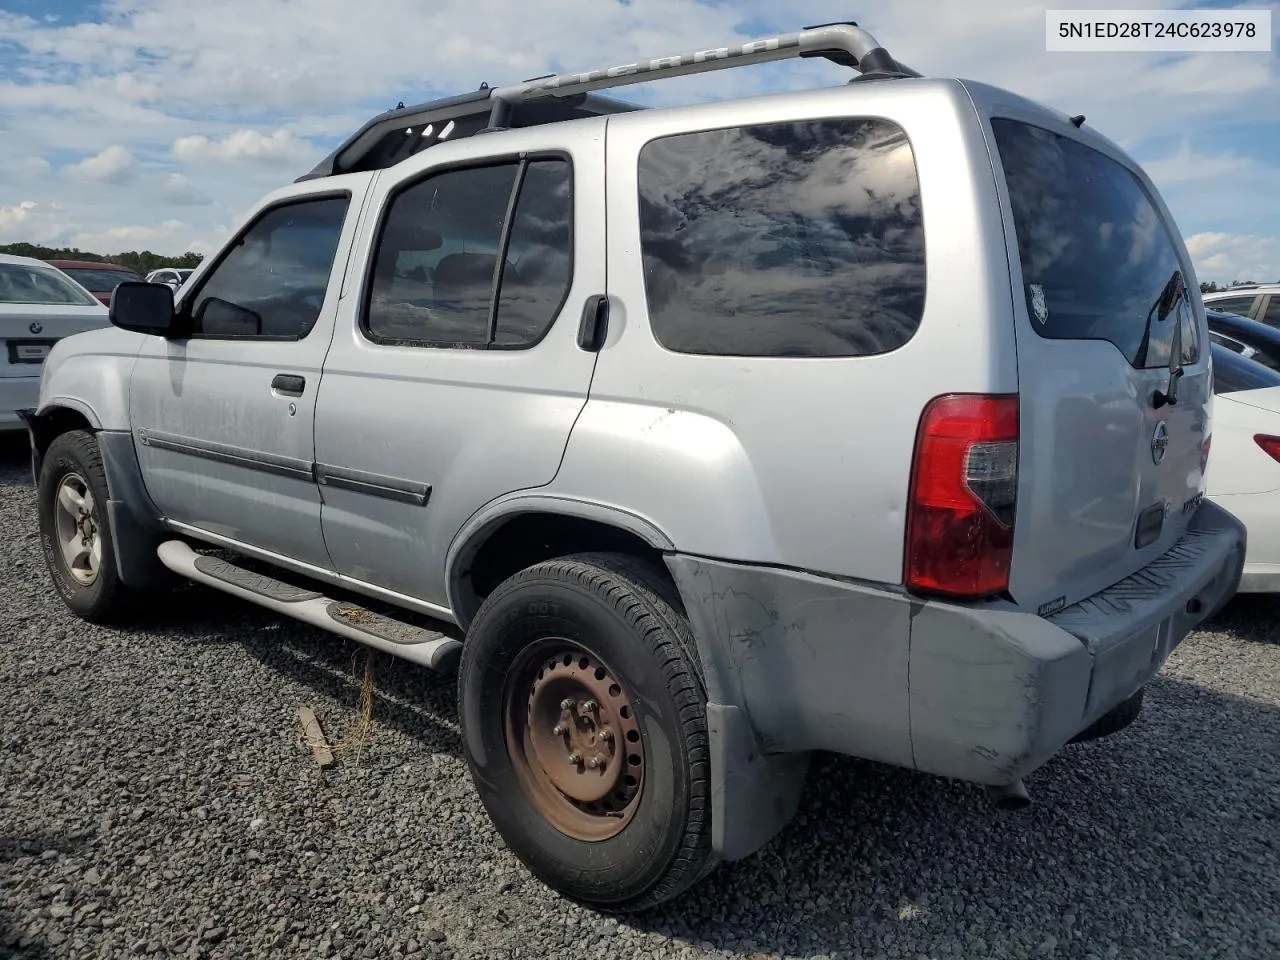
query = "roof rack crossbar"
{"x": 844, "y": 43}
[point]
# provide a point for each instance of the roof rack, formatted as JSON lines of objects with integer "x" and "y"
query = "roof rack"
{"x": 397, "y": 134}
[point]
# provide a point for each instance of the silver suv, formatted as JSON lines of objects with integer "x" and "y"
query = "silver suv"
{"x": 870, "y": 420}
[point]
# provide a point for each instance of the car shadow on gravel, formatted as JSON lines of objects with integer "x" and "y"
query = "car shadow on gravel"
{"x": 407, "y": 697}
{"x": 15, "y": 459}
{"x": 1252, "y": 617}
{"x": 1176, "y": 819}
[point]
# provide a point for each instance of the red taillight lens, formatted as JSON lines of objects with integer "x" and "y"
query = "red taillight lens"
{"x": 964, "y": 483}
{"x": 1270, "y": 445}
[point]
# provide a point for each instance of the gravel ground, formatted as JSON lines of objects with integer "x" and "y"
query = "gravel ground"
{"x": 156, "y": 800}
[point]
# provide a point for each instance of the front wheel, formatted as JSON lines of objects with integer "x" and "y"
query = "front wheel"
{"x": 75, "y": 530}
{"x": 584, "y": 725}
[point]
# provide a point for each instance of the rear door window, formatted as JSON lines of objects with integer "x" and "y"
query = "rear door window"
{"x": 1097, "y": 258}
{"x": 1240, "y": 305}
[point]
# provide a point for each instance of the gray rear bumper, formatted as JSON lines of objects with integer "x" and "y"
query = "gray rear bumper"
{"x": 984, "y": 693}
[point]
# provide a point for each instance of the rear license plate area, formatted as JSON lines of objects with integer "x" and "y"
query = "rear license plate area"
{"x": 29, "y": 351}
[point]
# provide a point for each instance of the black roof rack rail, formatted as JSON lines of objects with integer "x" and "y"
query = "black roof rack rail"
{"x": 397, "y": 134}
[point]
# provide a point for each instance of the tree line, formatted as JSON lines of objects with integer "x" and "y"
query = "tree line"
{"x": 1211, "y": 287}
{"x": 140, "y": 262}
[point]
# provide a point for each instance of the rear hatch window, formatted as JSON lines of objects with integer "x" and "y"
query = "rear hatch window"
{"x": 1096, "y": 255}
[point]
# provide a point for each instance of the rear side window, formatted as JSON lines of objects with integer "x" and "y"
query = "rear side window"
{"x": 457, "y": 266}
{"x": 1097, "y": 259}
{"x": 783, "y": 240}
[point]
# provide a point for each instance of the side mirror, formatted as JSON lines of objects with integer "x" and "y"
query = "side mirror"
{"x": 143, "y": 307}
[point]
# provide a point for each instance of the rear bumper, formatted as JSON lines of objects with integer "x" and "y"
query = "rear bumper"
{"x": 983, "y": 693}
{"x": 1260, "y": 578}
{"x": 17, "y": 393}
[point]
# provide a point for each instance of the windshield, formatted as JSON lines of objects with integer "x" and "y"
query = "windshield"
{"x": 183, "y": 274}
{"x": 1097, "y": 258}
{"x": 99, "y": 279}
{"x": 20, "y": 283}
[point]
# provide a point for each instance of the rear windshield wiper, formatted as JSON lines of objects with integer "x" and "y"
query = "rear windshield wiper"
{"x": 1175, "y": 290}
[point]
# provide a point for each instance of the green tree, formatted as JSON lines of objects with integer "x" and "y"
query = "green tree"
{"x": 140, "y": 262}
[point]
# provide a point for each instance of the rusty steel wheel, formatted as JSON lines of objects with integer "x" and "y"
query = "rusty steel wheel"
{"x": 584, "y": 725}
{"x": 574, "y": 741}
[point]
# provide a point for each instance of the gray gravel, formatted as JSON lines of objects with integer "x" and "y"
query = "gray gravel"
{"x": 156, "y": 800}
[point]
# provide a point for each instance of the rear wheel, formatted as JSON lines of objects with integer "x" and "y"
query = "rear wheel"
{"x": 75, "y": 530}
{"x": 584, "y": 724}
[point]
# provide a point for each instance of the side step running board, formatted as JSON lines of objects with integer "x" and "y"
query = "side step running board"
{"x": 430, "y": 648}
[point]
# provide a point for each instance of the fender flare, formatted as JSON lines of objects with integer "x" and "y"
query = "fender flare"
{"x": 70, "y": 403}
{"x": 484, "y": 521}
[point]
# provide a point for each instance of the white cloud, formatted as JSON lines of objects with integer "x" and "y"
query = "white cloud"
{"x": 115, "y": 165}
{"x": 26, "y": 221}
{"x": 29, "y": 168}
{"x": 179, "y": 190}
{"x": 281, "y": 147}
{"x": 1225, "y": 257}
{"x": 215, "y": 115}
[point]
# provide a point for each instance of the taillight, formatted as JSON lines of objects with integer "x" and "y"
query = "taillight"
{"x": 964, "y": 484}
{"x": 1270, "y": 445}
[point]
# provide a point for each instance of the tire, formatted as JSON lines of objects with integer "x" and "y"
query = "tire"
{"x": 591, "y": 627}
{"x": 1114, "y": 720}
{"x": 91, "y": 588}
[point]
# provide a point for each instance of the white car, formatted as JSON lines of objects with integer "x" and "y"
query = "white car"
{"x": 1243, "y": 474}
{"x": 39, "y": 305}
{"x": 173, "y": 276}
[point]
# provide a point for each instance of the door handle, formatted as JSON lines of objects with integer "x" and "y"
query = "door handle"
{"x": 594, "y": 323}
{"x": 288, "y": 384}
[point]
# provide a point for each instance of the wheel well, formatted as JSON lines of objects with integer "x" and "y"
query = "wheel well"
{"x": 531, "y": 538}
{"x": 53, "y": 423}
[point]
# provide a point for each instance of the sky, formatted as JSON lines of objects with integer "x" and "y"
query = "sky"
{"x": 155, "y": 124}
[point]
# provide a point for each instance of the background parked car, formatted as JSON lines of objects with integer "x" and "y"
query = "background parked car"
{"x": 1243, "y": 474}
{"x": 173, "y": 276}
{"x": 39, "y": 305}
{"x": 1258, "y": 301}
{"x": 1249, "y": 338}
{"x": 99, "y": 278}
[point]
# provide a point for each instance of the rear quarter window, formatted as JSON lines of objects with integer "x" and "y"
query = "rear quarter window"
{"x": 1096, "y": 255}
{"x": 798, "y": 239}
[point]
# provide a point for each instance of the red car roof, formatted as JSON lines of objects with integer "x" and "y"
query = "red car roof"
{"x": 94, "y": 264}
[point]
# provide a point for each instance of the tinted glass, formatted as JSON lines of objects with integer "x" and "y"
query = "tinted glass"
{"x": 434, "y": 264}
{"x": 1232, "y": 372}
{"x": 1272, "y": 316}
{"x": 20, "y": 283}
{"x": 99, "y": 280}
{"x": 272, "y": 284}
{"x": 783, "y": 240}
{"x": 1096, "y": 256}
{"x": 539, "y": 252}
{"x": 1240, "y": 305}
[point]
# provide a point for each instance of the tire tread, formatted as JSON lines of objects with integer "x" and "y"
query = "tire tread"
{"x": 642, "y": 594}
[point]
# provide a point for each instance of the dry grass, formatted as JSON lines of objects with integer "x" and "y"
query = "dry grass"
{"x": 352, "y": 744}
{"x": 349, "y": 748}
